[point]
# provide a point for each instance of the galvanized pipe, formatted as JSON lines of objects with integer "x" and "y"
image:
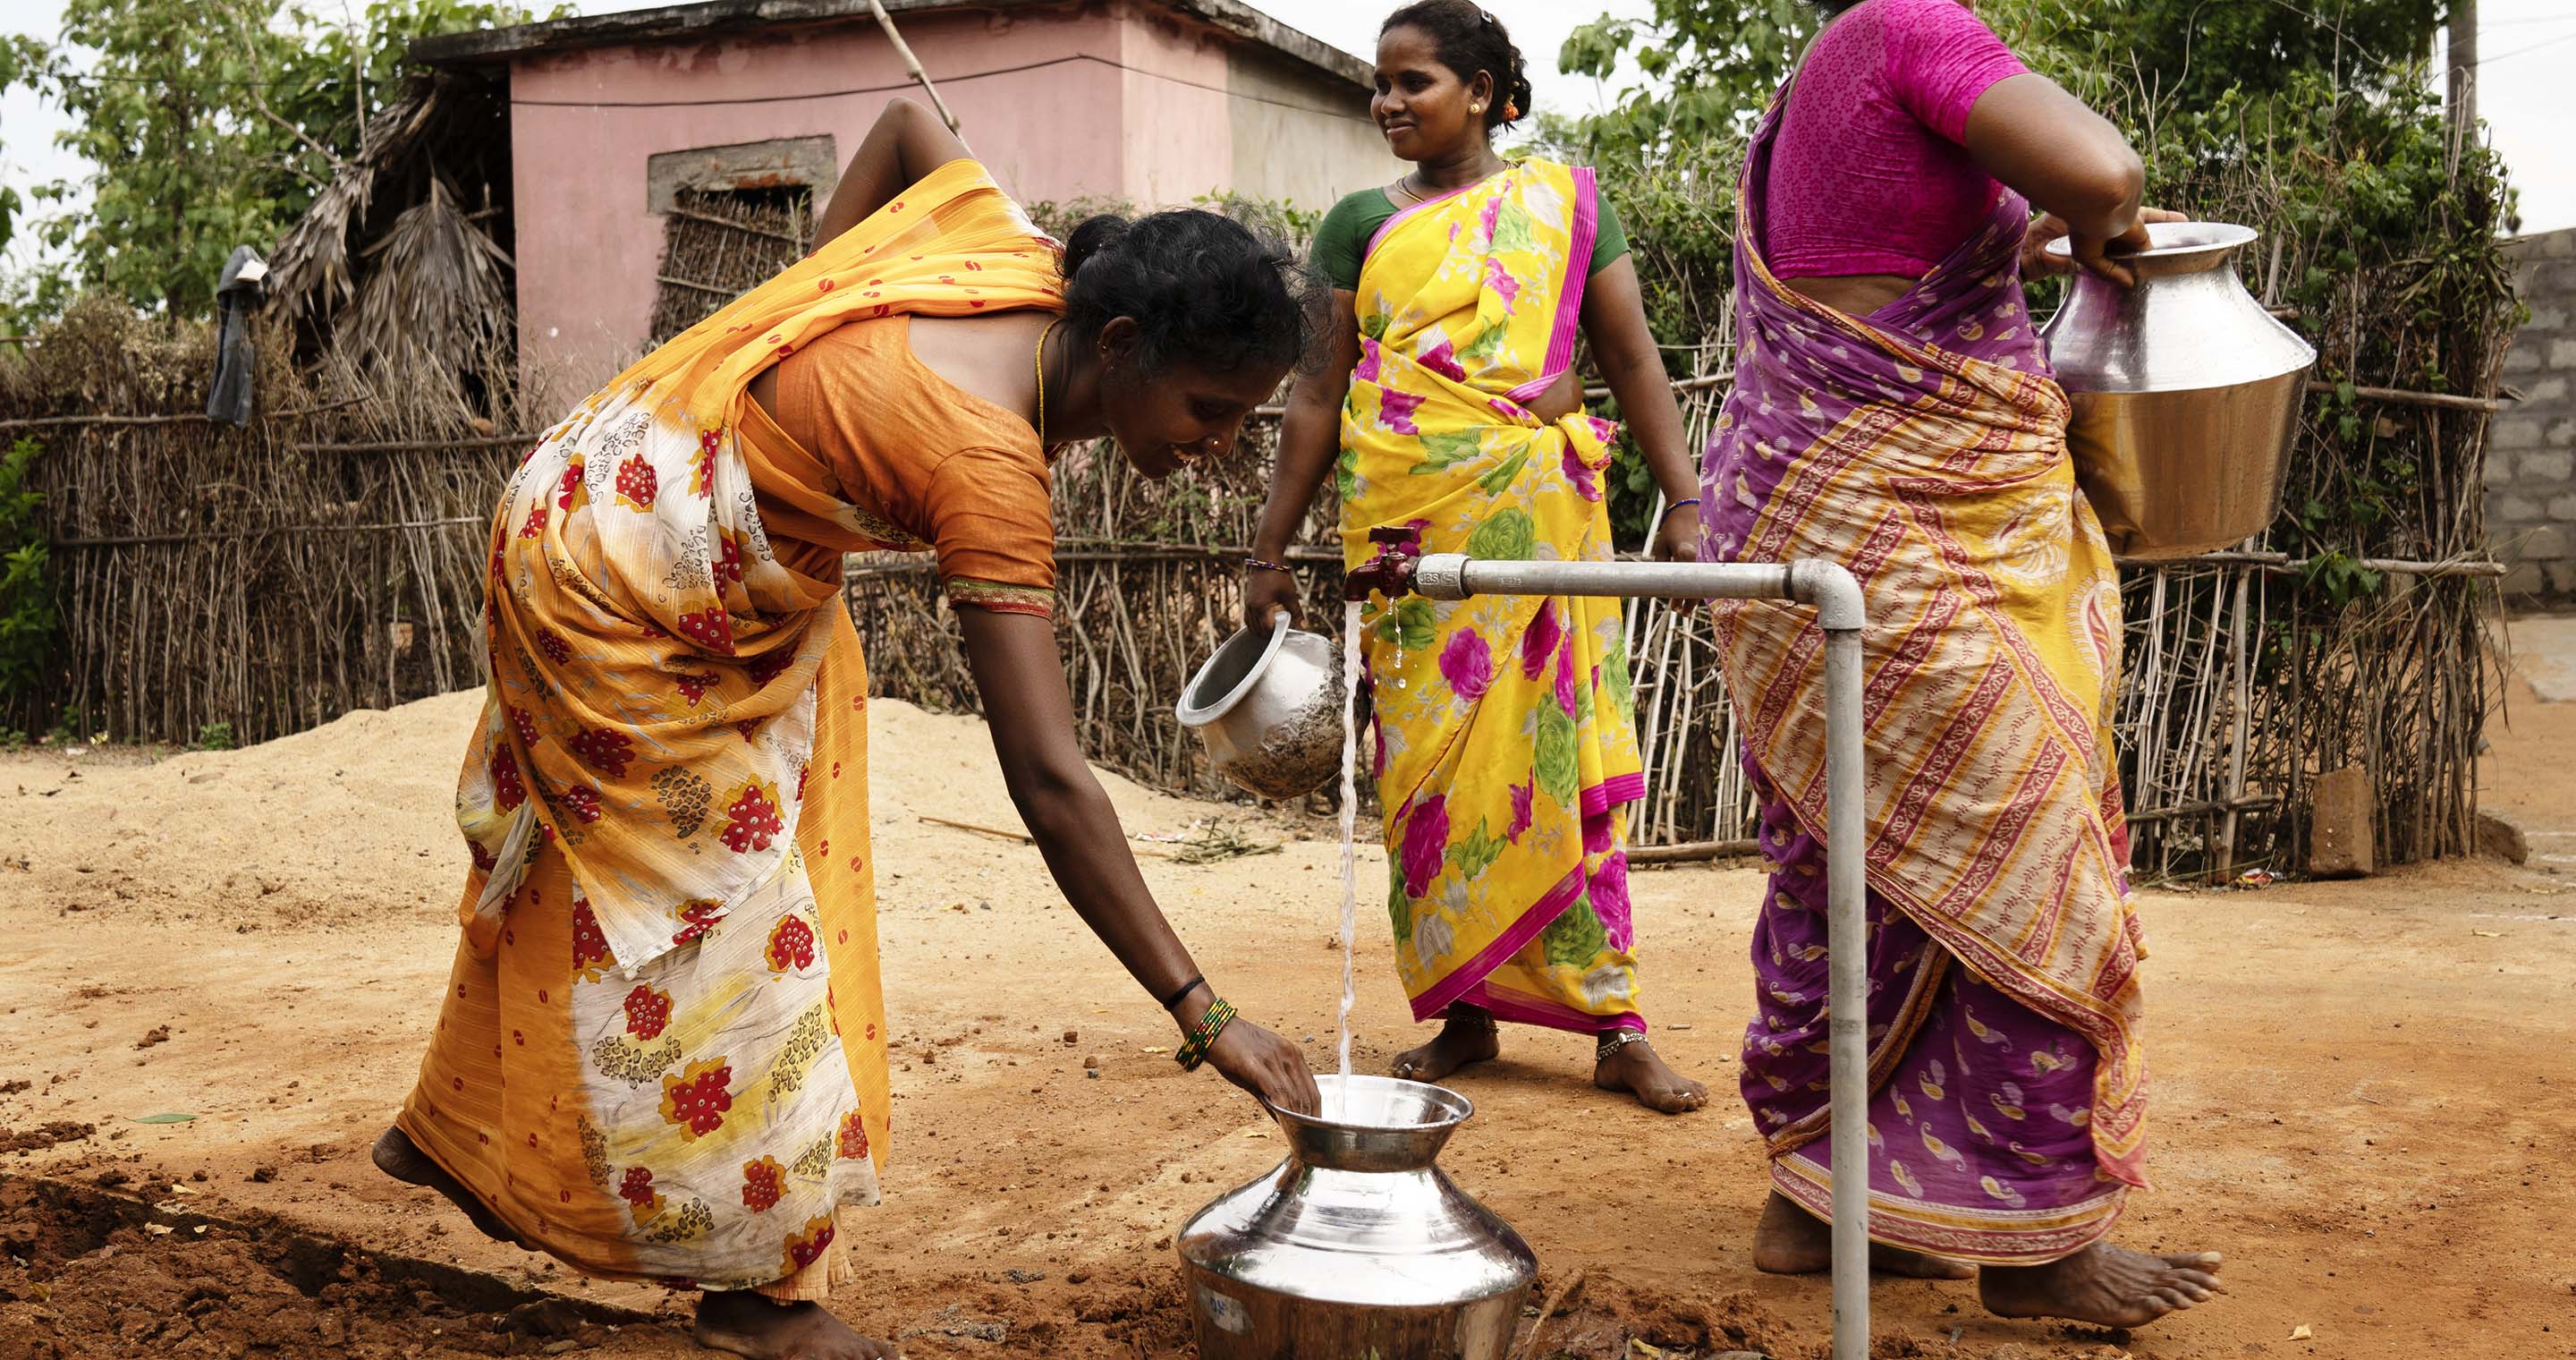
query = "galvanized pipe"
{"x": 1836, "y": 598}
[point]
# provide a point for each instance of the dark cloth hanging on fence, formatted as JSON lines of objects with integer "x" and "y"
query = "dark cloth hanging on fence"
{"x": 245, "y": 278}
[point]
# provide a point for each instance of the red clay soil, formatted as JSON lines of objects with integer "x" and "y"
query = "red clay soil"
{"x": 2363, "y": 1092}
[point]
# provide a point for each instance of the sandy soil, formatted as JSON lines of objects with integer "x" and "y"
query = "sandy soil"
{"x": 2363, "y": 1091}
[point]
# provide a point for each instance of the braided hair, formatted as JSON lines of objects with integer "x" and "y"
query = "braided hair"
{"x": 1470, "y": 40}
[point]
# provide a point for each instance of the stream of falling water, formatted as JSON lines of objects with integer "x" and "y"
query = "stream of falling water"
{"x": 1350, "y": 824}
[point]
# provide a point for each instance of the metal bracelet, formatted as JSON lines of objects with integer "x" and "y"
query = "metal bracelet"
{"x": 1264, "y": 564}
{"x": 1614, "y": 1040}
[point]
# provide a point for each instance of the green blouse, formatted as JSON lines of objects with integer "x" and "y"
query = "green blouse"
{"x": 1341, "y": 242}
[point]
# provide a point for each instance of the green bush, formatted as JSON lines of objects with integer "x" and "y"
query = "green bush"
{"x": 27, "y": 618}
{"x": 215, "y": 736}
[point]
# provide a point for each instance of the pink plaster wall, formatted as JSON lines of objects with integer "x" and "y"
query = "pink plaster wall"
{"x": 1122, "y": 100}
{"x": 588, "y": 244}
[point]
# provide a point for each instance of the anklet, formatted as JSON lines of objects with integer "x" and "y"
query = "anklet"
{"x": 1613, "y": 1041}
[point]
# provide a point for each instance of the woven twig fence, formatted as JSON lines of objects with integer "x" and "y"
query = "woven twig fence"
{"x": 325, "y": 557}
{"x": 328, "y": 557}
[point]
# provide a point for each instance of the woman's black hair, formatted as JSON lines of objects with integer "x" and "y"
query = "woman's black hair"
{"x": 1470, "y": 40}
{"x": 1832, "y": 9}
{"x": 1200, "y": 286}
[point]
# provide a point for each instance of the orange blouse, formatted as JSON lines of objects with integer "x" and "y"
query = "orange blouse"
{"x": 944, "y": 470}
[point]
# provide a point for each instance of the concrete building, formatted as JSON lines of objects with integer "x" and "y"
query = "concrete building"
{"x": 1153, "y": 102}
{"x": 2531, "y": 447}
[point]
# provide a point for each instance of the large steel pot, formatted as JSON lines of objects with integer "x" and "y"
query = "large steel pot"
{"x": 2186, "y": 394}
{"x": 1357, "y": 1247}
{"x": 1268, "y": 706}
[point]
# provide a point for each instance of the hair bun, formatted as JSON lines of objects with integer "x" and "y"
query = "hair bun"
{"x": 1092, "y": 237}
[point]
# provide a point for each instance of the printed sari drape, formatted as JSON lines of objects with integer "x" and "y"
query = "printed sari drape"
{"x": 1506, "y": 754}
{"x": 1923, "y": 447}
{"x": 662, "y": 1050}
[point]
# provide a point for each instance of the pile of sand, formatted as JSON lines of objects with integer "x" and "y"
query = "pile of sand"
{"x": 332, "y": 827}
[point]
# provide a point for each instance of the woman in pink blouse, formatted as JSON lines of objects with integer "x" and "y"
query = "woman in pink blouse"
{"x": 1893, "y": 411}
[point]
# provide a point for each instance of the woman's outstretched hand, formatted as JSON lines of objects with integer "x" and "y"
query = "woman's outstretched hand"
{"x": 1268, "y": 1066}
{"x": 1264, "y": 591}
{"x": 2097, "y": 257}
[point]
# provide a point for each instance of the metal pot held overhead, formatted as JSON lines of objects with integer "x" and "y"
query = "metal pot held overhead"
{"x": 2186, "y": 394}
{"x": 1268, "y": 707}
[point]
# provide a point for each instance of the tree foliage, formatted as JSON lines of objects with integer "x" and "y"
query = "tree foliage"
{"x": 206, "y": 124}
{"x": 2318, "y": 123}
{"x": 1711, "y": 65}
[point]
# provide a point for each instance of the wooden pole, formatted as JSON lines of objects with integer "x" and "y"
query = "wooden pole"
{"x": 913, "y": 64}
{"x": 2463, "y": 46}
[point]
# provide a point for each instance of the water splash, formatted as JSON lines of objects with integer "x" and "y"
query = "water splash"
{"x": 1350, "y": 823}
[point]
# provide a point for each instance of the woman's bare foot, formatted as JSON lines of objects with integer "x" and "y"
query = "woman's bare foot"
{"x": 2105, "y": 1285}
{"x": 396, "y": 1155}
{"x": 1639, "y": 1070}
{"x": 1791, "y": 1241}
{"x": 1466, "y": 1039}
{"x": 755, "y": 1325}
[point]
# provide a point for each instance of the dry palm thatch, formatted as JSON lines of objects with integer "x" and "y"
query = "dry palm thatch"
{"x": 396, "y": 266}
{"x": 438, "y": 289}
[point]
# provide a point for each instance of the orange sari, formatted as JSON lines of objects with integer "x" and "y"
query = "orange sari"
{"x": 662, "y": 1052}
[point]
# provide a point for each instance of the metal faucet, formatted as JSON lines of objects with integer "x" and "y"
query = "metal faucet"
{"x": 1390, "y": 573}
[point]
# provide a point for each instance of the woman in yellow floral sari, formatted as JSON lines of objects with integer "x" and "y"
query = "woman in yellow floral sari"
{"x": 1506, "y": 752}
{"x": 661, "y": 1054}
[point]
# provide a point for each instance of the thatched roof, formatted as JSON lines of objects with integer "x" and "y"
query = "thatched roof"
{"x": 402, "y": 260}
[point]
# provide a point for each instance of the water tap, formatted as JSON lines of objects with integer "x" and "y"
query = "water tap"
{"x": 1390, "y": 573}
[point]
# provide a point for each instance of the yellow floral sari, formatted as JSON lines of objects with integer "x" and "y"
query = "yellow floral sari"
{"x": 662, "y": 1050}
{"x": 1506, "y": 752}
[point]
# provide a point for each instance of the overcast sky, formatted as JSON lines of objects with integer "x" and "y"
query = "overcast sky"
{"x": 2528, "y": 47}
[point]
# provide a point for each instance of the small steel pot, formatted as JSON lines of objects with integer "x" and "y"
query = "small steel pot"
{"x": 1268, "y": 706}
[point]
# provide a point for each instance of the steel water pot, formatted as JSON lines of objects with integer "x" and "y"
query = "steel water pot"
{"x": 1357, "y": 1247}
{"x": 1268, "y": 707}
{"x": 2186, "y": 394}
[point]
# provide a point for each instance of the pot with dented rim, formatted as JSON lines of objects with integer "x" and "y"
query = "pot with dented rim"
{"x": 1357, "y": 1246}
{"x": 1268, "y": 707}
{"x": 2186, "y": 394}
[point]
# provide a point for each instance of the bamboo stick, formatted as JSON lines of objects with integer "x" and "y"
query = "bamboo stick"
{"x": 912, "y": 64}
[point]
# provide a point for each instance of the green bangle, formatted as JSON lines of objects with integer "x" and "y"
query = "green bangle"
{"x": 1203, "y": 1037}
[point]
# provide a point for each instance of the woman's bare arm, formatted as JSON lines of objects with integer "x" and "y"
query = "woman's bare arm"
{"x": 907, "y": 143}
{"x": 1016, "y": 668}
{"x": 1310, "y": 437}
{"x": 2065, "y": 158}
{"x": 1623, "y": 348}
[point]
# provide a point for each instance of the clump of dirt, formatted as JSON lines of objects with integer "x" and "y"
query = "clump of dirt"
{"x": 44, "y": 1135}
{"x": 1599, "y": 1317}
{"x": 88, "y": 1274}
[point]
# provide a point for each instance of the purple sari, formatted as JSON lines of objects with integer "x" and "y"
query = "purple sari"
{"x": 1923, "y": 447}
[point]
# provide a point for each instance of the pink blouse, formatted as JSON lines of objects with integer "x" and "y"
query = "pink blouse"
{"x": 1870, "y": 174}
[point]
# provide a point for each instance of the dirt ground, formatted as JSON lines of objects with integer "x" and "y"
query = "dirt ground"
{"x": 2363, "y": 1091}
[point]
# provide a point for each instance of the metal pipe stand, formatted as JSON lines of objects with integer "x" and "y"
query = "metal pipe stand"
{"x": 1836, "y": 597}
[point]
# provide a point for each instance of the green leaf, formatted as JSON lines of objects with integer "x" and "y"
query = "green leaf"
{"x": 1472, "y": 856}
{"x": 1399, "y": 911}
{"x": 163, "y": 1118}
{"x": 1447, "y": 448}
{"x": 1502, "y": 475}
